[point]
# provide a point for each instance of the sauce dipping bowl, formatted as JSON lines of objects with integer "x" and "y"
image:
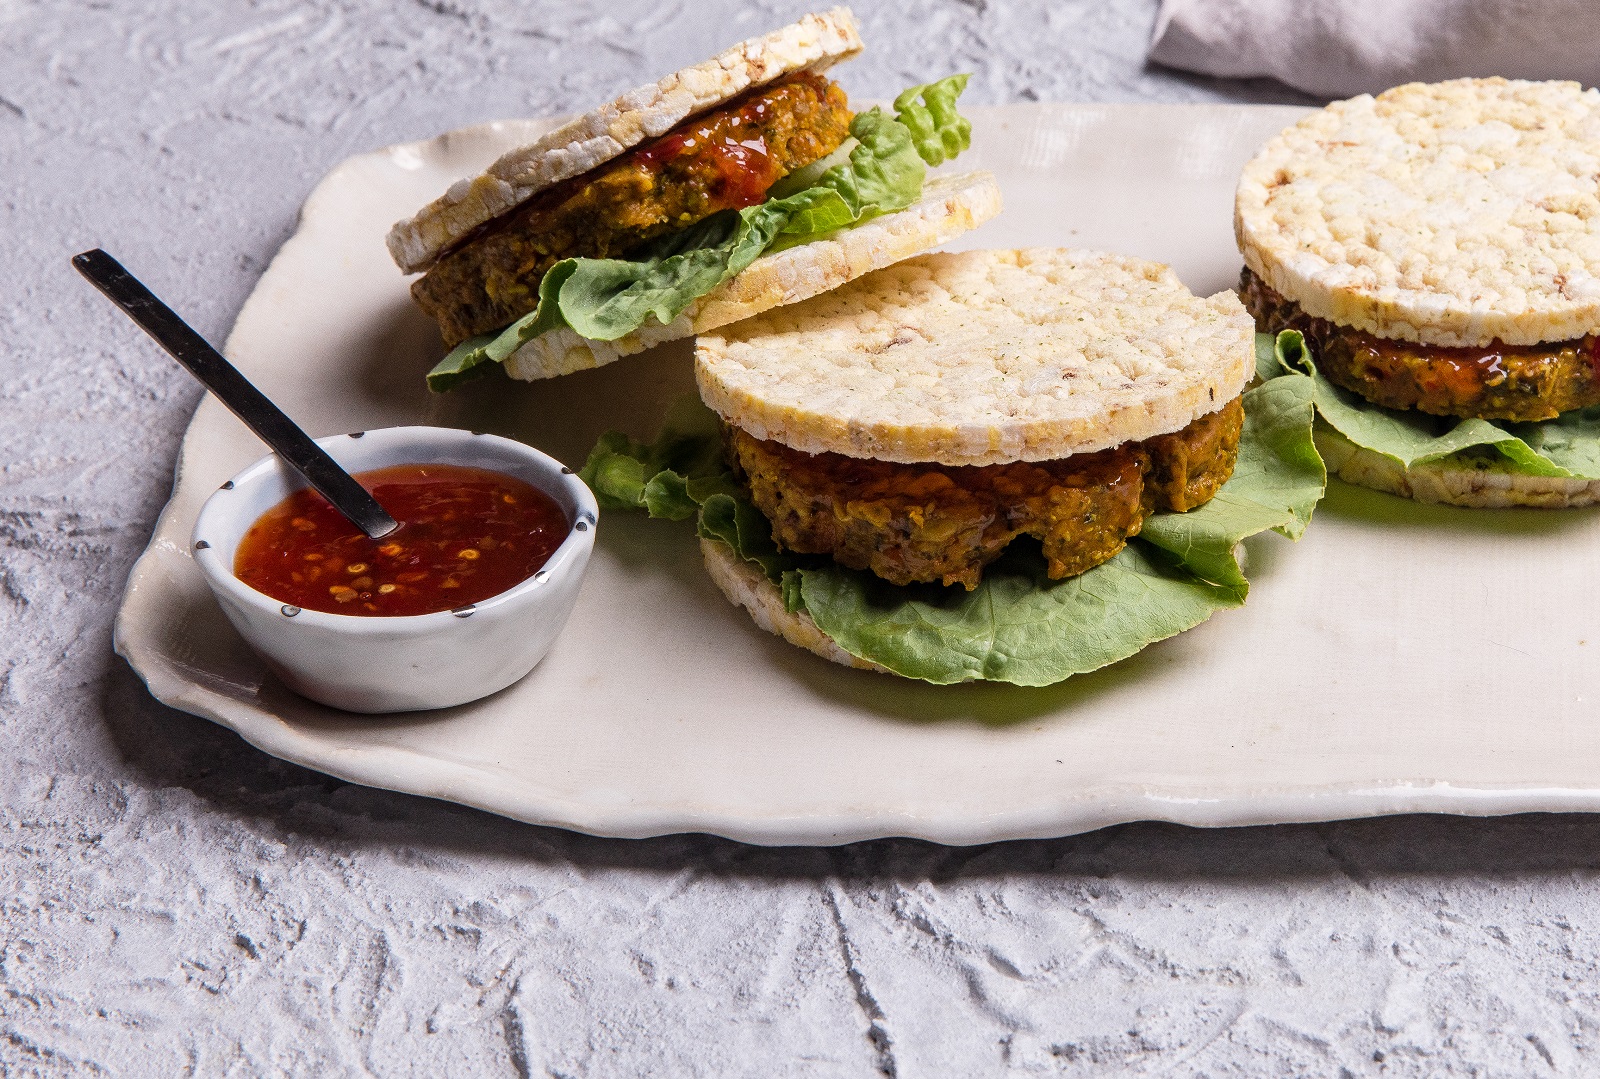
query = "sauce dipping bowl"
{"x": 381, "y": 663}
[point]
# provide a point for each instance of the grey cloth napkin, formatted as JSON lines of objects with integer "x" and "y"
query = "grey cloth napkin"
{"x": 1338, "y": 48}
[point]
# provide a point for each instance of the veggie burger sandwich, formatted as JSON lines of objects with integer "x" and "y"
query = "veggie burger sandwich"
{"x": 1438, "y": 247}
{"x": 936, "y": 470}
{"x": 721, "y": 191}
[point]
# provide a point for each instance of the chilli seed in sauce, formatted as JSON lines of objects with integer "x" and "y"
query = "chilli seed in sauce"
{"x": 465, "y": 534}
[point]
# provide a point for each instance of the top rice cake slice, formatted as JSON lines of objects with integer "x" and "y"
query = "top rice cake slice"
{"x": 982, "y": 357}
{"x": 1455, "y": 213}
{"x": 815, "y": 43}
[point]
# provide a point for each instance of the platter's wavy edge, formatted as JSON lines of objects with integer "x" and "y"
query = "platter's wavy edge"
{"x": 1084, "y": 812}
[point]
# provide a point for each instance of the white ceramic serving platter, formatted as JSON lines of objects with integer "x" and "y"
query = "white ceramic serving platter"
{"x": 1400, "y": 658}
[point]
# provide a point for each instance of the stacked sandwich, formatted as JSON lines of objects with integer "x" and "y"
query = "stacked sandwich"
{"x": 1004, "y": 465}
{"x": 718, "y": 192}
{"x": 938, "y": 469}
{"x": 1437, "y": 250}
{"x": 1008, "y": 466}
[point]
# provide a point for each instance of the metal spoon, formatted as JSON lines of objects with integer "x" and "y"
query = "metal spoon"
{"x": 234, "y": 390}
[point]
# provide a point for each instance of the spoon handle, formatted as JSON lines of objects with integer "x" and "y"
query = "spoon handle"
{"x": 234, "y": 390}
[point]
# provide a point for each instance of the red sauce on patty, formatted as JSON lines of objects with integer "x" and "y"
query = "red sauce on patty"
{"x": 734, "y": 147}
{"x": 465, "y": 534}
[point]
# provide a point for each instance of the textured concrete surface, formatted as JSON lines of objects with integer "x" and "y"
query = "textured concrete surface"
{"x": 174, "y": 902}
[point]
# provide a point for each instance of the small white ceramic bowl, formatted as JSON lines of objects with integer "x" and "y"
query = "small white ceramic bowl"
{"x": 397, "y": 664}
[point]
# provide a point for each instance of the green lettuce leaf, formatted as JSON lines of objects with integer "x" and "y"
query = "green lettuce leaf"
{"x": 734, "y": 520}
{"x": 937, "y": 129}
{"x": 604, "y": 299}
{"x": 1276, "y": 484}
{"x": 1571, "y": 441}
{"x": 1018, "y": 626}
{"x": 669, "y": 477}
{"x": 1568, "y": 445}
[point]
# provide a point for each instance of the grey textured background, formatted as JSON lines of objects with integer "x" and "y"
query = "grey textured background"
{"x": 174, "y": 902}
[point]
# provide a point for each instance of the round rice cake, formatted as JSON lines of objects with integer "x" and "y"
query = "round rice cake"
{"x": 1456, "y": 213}
{"x": 982, "y": 357}
{"x": 950, "y": 205}
{"x": 816, "y": 42}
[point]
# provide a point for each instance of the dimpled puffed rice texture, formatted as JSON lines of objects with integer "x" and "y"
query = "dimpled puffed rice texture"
{"x": 816, "y": 42}
{"x": 1454, "y": 213}
{"x": 949, "y": 206}
{"x": 1450, "y": 482}
{"x": 747, "y": 587}
{"x": 982, "y": 357}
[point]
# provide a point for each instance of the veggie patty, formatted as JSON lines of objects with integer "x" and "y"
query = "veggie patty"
{"x": 928, "y": 522}
{"x": 1496, "y": 382}
{"x": 723, "y": 159}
